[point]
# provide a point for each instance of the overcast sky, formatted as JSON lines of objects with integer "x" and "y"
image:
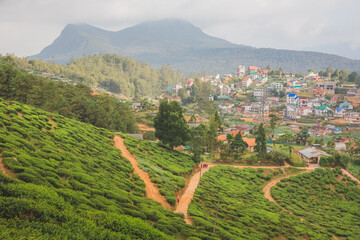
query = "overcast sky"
{"x": 27, "y": 26}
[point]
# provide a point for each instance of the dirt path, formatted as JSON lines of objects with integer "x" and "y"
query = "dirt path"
{"x": 188, "y": 195}
{"x": 152, "y": 191}
{"x": 267, "y": 188}
{"x": 6, "y": 171}
{"x": 351, "y": 176}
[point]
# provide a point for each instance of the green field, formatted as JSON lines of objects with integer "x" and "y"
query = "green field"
{"x": 167, "y": 168}
{"x": 322, "y": 199}
{"x": 244, "y": 213}
{"x": 71, "y": 183}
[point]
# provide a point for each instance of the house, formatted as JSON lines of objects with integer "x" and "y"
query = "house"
{"x": 223, "y": 97}
{"x": 318, "y": 92}
{"x": 318, "y": 131}
{"x": 259, "y": 92}
{"x": 246, "y": 82}
{"x": 335, "y": 99}
{"x": 328, "y": 86}
{"x": 304, "y": 111}
{"x": 352, "y": 92}
{"x": 250, "y": 143}
{"x": 322, "y": 110}
{"x": 257, "y": 108}
{"x": 261, "y": 80}
{"x": 311, "y": 155}
{"x": 290, "y": 112}
{"x": 243, "y": 128}
{"x": 340, "y": 146}
{"x": 346, "y": 106}
{"x": 339, "y": 112}
{"x": 241, "y": 70}
{"x": 292, "y": 99}
{"x": 136, "y": 105}
{"x": 276, "y": 86}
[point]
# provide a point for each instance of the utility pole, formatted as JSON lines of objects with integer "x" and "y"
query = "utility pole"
{"x": 217, "y": 211}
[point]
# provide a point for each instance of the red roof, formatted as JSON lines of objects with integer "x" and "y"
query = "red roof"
{"x": 303, "y": 108}
{"x": 95, "y": 93}
{"x": 247, "y": 78}
{"x": 249, "y": 141}
{"x": 221, "y": 138}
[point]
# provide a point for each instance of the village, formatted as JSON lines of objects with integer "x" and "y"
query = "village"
{"x": 323, "y": 105}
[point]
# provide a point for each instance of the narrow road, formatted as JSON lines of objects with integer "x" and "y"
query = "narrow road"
{"x": 185, "y": 199}
{"x": 151, "y": 189}
{"x": 6, "y": 171}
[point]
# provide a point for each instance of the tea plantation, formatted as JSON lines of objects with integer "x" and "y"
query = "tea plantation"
{"x": 323, "y": 197}
{"x": 166, "y": 168}
{"x": 243, "y": 211}
{"x": 71, "y": 183}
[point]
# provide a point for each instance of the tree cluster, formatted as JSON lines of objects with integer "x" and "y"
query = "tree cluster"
{"x": 71, "y": 101}
{"x": 112, "y": 72}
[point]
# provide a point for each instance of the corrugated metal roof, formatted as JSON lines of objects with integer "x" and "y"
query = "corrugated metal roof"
{"x": 312, "y": 152}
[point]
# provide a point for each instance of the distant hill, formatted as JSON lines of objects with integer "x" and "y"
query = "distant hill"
{"x": 183, "y": 46}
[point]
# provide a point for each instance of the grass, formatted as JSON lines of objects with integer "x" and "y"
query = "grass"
{"x": 295, "y": 159}
{"x": 320, "y": 198}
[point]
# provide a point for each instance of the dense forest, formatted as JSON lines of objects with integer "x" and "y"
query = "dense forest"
{"x": 71, "y": 101}
{"x": 112, "y": 72}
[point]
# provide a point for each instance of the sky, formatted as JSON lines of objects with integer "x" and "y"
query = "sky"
{"x": 332, "y": 26}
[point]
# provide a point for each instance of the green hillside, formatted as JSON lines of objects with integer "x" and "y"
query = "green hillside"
{"x": 114, "y": 73}
{"x": 321, "y": 198}
{"x": 71, "y": 183}
{"x": 166, "y": 168}
{"x": 243, "y": 211}
{"x": 70, "y": 101}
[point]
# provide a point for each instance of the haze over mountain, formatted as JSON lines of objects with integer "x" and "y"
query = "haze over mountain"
{"x": 183, "y": 46}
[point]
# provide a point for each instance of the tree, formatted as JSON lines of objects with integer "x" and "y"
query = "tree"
{"x": 260, "y": 141}
{"x": 331, "y": 144}
{"x": 353, "y": 77}
{"x": 197, "y": 141}
{"x": 170, "y": 124}
{"x": 287, "y": 139}
{"x": 302, "y": 136}
{"x": 238, "y": 146}
{"x": 343, "y": 75}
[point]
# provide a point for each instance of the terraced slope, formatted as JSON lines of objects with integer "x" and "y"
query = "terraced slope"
{"x": 71, "y": 183}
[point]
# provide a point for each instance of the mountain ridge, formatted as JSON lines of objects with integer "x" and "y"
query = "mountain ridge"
{"x": 183, "y": 46}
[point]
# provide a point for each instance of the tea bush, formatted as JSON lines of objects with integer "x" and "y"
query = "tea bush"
{"x": 322, "y": 199}
{"x": 166, "y": 168}
{"x": 244, "y": 212}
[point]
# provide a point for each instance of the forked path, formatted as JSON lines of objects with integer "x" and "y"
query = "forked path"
{"x": 151, "y": 189}
{"x": 185, "y": 200}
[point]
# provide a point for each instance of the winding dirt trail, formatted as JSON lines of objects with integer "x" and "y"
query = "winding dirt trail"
{"x": 6, "y": 171}
{"x": 267, "y": 188}
{"x": 185, "y": 199}
{"x": 151, "y": 189}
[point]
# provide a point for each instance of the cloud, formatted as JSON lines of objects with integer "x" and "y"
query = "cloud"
{"x": 28, "y": 26}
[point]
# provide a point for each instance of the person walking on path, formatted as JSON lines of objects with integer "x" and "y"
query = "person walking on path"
{"x": 178, "y": 199}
